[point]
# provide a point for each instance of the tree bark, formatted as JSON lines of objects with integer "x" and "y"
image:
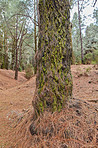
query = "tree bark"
{"x": 35, "y": 37}
{"x": 16, "y": 49}
{"x": 80, "y": 33}
{"x": 5, "y": 51}
{"x": 54, "y": 80}
{"x": 16, "y": 65}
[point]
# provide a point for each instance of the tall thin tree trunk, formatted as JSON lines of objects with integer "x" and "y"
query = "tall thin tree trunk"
{"x": 35, "y": 36}
{"x": 38, "y": 16}
{"x": 13, "y": 55}
{"x": 80, "y": 33}
{"x": 16, "y": 48}
{"x": 16, "y": 65}
{"x": 5, "y": 51}
{"x": 54, "y": 80}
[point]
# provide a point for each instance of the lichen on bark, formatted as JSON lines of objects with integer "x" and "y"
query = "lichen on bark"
{"x": 54, "y": 80}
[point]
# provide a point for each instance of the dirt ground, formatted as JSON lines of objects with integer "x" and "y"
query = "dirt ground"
{"x": 16, "y": 99}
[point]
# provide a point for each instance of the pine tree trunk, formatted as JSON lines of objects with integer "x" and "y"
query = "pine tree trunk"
{"x": 54, "y": 80}
{"x": 13, "y": 55}
{"x": 5, "y": 51}
{"x": 16, "y": 50}
{"x": 80, "y": 33}
{"x": 35, "y": 38}
{"x": 16, "y": 65}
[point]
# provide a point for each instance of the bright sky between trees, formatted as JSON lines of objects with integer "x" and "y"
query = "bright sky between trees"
{"x": 88, "y": 12}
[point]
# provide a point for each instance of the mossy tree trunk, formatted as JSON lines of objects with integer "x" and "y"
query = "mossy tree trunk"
{"x": 54, "y": 80}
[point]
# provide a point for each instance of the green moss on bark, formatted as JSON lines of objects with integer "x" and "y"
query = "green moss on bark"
{"x": 54, "y": 80}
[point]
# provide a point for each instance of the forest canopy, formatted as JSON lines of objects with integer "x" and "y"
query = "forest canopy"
{"x": 19, "y": 33}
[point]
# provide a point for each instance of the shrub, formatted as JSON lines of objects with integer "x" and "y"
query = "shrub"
{"x": 29, "y": 70}
{"x": 91, "y": 58}
{"x": 88, "y": 58}
{"x": 95, "y": 56}
{"x": 20, "y": 69}
{"x": 77, "y": 59}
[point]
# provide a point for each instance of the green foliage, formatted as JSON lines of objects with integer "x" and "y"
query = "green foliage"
{"x": 77, "y": 58}
{"x": 0, "y": 65}
{"x": 83, "y": 72}
{"x": 91, "y": 58}
{"x": 88, "y": 69}
{"x": 16, "y": 32}
{"x": 20, "y": 69}
{"x": 95, "y": 56}
{"x": 29, "y": 71}
{"x": 88, "y": 58}
{"x": 89, "y": 35}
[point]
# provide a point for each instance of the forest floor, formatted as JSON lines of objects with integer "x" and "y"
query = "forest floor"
{"x": 74, "y": 127}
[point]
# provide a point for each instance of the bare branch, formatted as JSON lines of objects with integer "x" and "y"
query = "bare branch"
{"x": 95, "y": 3}
{"x": 34, "y": 21}
{"x": 8, "y": 27}
{"x": 28, "y": 45}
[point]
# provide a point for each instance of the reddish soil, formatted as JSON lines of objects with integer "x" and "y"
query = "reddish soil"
{"x": 74, "y": 127}
{"x": 85, "y": 82}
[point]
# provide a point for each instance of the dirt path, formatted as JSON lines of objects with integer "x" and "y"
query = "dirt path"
{"x": 16, "y": 96}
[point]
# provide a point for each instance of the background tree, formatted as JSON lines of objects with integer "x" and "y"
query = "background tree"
{"x": 3, "y": 37}
{"x": 17, "y": 27}
{"x": 91, "y": 44}
{"x": 95, "y": 1}
{"x": 35, "y": 34}
{"x": 79, "y": 17}
{"x": 81, "y": 5}
{"x": 76, "y": 37}
{"x": 86, "y": 37}
{"x": 95, "y": 16}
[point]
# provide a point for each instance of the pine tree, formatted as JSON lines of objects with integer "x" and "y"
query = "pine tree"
{"x": 54, "y": 80}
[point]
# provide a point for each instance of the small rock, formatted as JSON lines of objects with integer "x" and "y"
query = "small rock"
{"x": 96, "y": 109}
{"x": 95, "y": 122}
{"x": 11, "y": 103}
{"x": 78, "y": 113}
{"x": 25, "y": 110}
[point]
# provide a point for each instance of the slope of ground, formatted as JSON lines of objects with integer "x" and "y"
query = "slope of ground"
{"x": 15, "y": 97}
{"x": 7, "y": 79}
{"x": 74, "y": 127}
